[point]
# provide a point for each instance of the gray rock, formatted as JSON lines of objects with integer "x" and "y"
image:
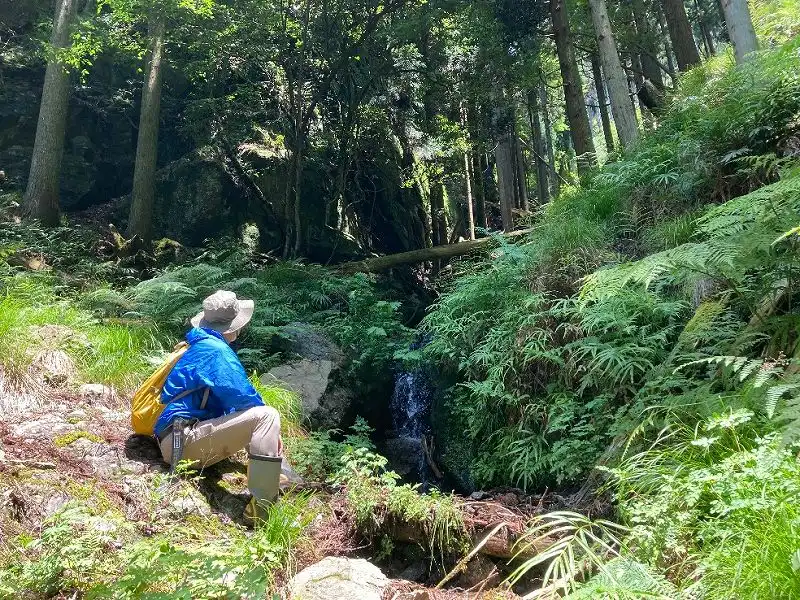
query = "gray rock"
{"x": 95, "y": 392}
{"x": 187, "y": 501}
{"x": 317, "y": 377}
{"x": 53, "y": 367}
{"x": 54, "y": 504}
{"x": 307, "y": 378}
{"x": 49, "y": 426}
{"x": 480, "y": 495}
{"x": 307, "y": 342}
{"x": 193, "y": 198}
{"x": 338, "y": 578}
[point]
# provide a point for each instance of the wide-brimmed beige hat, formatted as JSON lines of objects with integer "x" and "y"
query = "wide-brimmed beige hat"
{"x": 224, "y": 312}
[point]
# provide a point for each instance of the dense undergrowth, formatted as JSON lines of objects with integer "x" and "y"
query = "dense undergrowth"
{"x": 70, "y": 315}
{"x": 650, "y": 324}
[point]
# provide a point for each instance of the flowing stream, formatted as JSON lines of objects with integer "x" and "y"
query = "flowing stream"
{"x": 410, "y": 407}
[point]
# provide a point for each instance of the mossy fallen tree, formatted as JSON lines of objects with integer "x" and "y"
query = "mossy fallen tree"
{"x": 390, "y": 261}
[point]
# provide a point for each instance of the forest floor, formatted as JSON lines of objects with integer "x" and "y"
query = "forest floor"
{"x": 59, "y": 445}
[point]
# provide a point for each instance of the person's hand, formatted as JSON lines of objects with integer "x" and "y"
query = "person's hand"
{"x": 280, "y": 446}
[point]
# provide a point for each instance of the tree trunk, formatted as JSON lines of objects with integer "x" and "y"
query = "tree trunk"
{"x": 668, "y": 52}
{"x": 648, "y": 42}
{"x": 505, "y": 180}
{"x": 491, "y": 190}
{"x": 539, "y": 149}
{"x": 438, "y": 223}
{"x": 521, "y": 176}
{"x": 468, "y": 176}
{"x": 555, "y": 183}
{"x": 740, "y": 28}
{"x": 41, "y": 195}
{"x": 602, "y": 100}
{"x": 298, "y": 178}
{"x": 140, "y": 221}
{"x": 621, "y": 107}
{"x": 577, "y": 118}
{"x": 708, "y": 42}
{"x": 680, "y": 32}
{"x": 390, "y": 261}
{"x": 470, "y": 211}
{"x": 478, "y": 168}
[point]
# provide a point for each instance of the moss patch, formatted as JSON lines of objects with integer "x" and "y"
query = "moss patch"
{"x": 68, "y": 438}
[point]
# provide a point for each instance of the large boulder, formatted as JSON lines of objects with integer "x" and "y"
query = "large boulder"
{"x": 316, "y": 376}
{"x": 193, "y": 199}
{"x": 339, "y": 578}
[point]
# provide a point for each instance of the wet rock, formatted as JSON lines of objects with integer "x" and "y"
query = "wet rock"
{"x": 338, "y": 578}
{"x": 479, "y": 496}
{"x": 404, "y": 454}
{"x": 414, "y": 572}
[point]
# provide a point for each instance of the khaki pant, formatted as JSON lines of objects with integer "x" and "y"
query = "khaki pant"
{"x": 208, "y": 442}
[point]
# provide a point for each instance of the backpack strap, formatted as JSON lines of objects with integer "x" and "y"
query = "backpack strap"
{"x": 205, "y": 398}
{"x": 192, "y": 391}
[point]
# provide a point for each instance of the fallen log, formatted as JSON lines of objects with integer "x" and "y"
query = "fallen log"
{"x": 382, "y": 263}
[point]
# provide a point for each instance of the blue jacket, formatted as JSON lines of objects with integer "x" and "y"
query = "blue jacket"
{"x": 208, "y": 362}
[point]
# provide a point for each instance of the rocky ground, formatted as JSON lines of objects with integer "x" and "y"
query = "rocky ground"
{"x": 59, "y": 444}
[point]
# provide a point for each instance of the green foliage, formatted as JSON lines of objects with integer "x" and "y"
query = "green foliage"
{"x": 570, "y": 545}
{"x": 318, "y": 455}
{"x": 558, "y": 345}
{"x": 376, "y": 499}
{"x": 79, "y": 551}
{"x": 104, "y": 353}
{"x": 350, "y": 309}
{"x": 70, "y": 554}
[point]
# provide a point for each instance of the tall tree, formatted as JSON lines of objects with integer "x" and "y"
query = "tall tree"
{"x": 680, "y": 33}
{"x": 520, "y": 174}
{"x": 478, "y": 188}
{"x": 504, "y": 156}
{"x": 140, "y": 221}
{"x": 539, "y": 148}
{"x": 621, "y": 106}
{"x": 555, "y": 183}
{"x": 577, "y": 117}
{"x": 468, "y": 174}
{"x": 41, "y": 195}
{"x": 740, "y": 28}
{"x": 602, "y": 101}
{"x": 647, "y": 41}
{"x": 702, "y": 21}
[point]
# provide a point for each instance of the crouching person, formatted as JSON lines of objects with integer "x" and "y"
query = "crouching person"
{"x": 213, "y": 411}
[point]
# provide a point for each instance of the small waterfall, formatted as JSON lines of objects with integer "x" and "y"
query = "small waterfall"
{"x": 410, "y": 407}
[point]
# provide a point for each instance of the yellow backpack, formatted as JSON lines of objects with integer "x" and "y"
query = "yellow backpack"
{"x": 146, "y": 405}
